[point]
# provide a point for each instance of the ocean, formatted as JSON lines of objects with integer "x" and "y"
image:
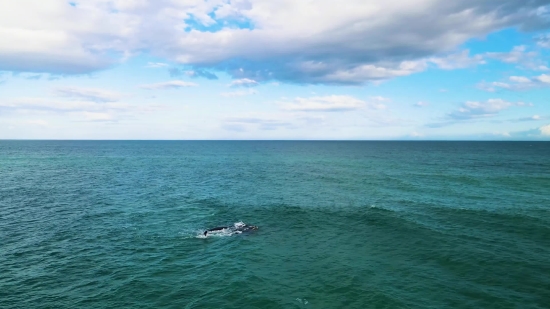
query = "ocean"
{"x": 342, "y": 224}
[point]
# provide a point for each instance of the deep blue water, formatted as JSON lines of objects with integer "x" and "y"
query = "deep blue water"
{"x": 117, "y": 224}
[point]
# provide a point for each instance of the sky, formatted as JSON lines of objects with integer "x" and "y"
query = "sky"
{"x": 275, "y": 69}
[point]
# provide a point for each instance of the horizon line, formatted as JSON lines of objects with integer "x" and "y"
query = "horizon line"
{"x": 279, "y": 140}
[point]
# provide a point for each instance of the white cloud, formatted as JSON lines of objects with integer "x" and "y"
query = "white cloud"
{"x": 246, "y": 123}
{"x": 503, "y": 134}
{"x": 333, "y": 103}
{"x": 77, "y": 110}
{"x": 520, "y": 55}
{"x": 294, "y": 41}
{"x": 332, "y": 74}
{"x": 380, "y": 99}
{"x": 520, "y": 79}
{"x": 156, "y": 65}
{"x": 493, "y": 86}
{"x": 531, "y": 118}
{"x": 458, "y": 61}
{"x": 543, "y": 40}
{"x": 540, "y": 133}
{"x": 51, "y": 36}
{"x": 239, "y": 93}
{"x": 489, "y": 108}
{"x": 243, "y": 82}
{"x": 93, "y": 94}
{"x": 59, "y": 105}
{"x": 544, "y": 78}
{"x": 174, "y": 72}
{"x": 518, "y": 83}
{"x": 174, "y": 84}
{"x": 476, "y": 110}
{"x": 422, "y": 104}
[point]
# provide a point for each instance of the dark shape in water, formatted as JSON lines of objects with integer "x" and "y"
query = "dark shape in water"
{"x": 241, "y": 228}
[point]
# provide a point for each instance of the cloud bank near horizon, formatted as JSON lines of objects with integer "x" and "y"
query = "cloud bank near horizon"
{"x": 262, "y": 69}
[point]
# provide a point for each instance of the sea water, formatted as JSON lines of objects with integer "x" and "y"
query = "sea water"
{"x": 118, "y": 224}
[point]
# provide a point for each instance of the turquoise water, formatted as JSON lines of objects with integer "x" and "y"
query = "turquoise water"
{"x": 97, "y": 224}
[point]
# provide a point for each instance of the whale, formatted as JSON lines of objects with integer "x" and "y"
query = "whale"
{"x": 237, "y": 228}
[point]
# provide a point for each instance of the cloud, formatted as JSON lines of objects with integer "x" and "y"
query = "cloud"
{"x": 458, "y": 61}
{"x": 493, "y": 86}
{"x": 156, "y": 65}
{"x": 246, "y": 123}
{"x": 28, "y": 76}
{"x": 503, "y": 134}
{"x": 60, "y": 105}
{"x": 175, "y": 72}
{"x": 334, "y": 74}
{"x": 291, "y": 41}
{"x": 540, "y": 133}
{"x": 174, "y": 84}
{"x": 93, "y": 94}
{"x": 489, "y": 108}
{"x": 517, "y": 83}
{"x": 544, "y": 78}
{"x": 532, "y": 118}
{"x": 543, "y": 40}
{"x": 356, "y": 44}
{"x": 244, "y": 82}
{"x": 379, "y": 99}
{"x": 33, "y": 76}
{"x": 239, "y": 93}
{"x": 54, "y": 37}
{"x": 520, "y": 79}
{"x": 421, "y": 104}
{"x": 78, "y": 110}
{"x": 474, "y": 111}
{"x": 519, "y": 55}
{"x": 333, "y": 103}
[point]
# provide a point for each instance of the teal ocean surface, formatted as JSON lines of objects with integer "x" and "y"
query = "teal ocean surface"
{"x": 118, "y": 224}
